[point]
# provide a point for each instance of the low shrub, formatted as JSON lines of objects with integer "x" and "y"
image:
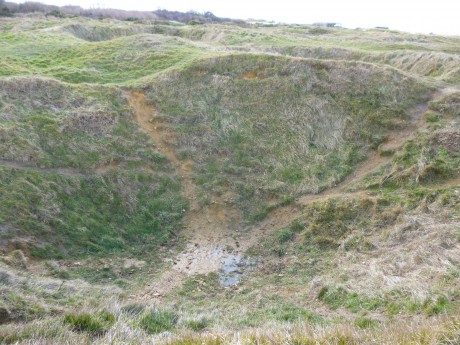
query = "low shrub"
{"x": 198, "y": 325}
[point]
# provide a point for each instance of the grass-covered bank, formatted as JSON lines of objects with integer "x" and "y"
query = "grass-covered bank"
{"x": 77, "y": 176}
{"x": 272, "y": 128}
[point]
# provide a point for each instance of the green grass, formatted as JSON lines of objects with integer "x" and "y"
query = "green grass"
{"x": 430, "y": 306}
{"x": 96, "y": 324}
{"x": 156, "y": 321}
{"x": 133, "y": 309}
{"x": 228, "y": 123}
{"x": 71, "y": 60}
{"x": 63, "y": 134}
{"x": 365, "y": 322}
{"x": 198, "y": 324}
{"x": 91, "y": 214}
{"x": 437, "y": 306}
{"x": 336, "y": 298}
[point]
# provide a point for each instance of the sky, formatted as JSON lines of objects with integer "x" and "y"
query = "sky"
{"x": 422, "y": 16}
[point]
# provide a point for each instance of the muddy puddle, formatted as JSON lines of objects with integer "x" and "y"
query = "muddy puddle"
{"x": 234, "y": 267}
{"x": 230, "y": 265}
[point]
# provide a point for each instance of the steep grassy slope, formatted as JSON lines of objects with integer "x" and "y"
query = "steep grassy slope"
{"x": 77, "y": 176}
{"x": 138, "y": 158}
{"x": 273, "y": 128}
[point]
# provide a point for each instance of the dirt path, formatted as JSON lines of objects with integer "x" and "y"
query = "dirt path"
{"x": 164, "y": 139}
{"x": 375, "y": 160}
{"x": 106, "y": 167}
{"x": 213, "y": 231}
{"x": 26, "y": 166}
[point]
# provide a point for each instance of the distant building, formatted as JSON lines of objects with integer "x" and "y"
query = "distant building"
{"x": 325, "y": 25}
{"x": 382, "y": 27}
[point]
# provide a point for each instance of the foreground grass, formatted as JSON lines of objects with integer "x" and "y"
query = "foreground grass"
{"x": 128, "y": 330}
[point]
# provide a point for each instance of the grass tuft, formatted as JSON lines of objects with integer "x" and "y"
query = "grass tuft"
{"x": 94, "y": 323}
{"x": 157, "y": 321}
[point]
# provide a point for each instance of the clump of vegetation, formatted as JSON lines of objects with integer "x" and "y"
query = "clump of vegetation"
{"x": 331, "y": 220}
{"x": 339, "y": 297}
{"x": 427, "y": 159}
{"x": 157, "y": 321}
{"x": 432, "y": 117}
{"x": 198, "y": 324}
{"x": 93, "y": 323}
{"x": 318, "y": 31}
{"x": 57, "y": 271}
{"x": 448, "y": 105}
{"x": 16, "y": 259}
{"x": 439, "y": 305}
{"x": 365, "y": 322}
{"x": 133, "y": 309}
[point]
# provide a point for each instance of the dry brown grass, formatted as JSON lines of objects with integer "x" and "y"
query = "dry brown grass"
{"x": 439, "y": 331}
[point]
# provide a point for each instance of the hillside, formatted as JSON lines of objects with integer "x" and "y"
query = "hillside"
{"x": 223, "y": 182}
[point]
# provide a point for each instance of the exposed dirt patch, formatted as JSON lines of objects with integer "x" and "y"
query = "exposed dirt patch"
{"x": 250, "y": 75}
{"x": 26, "y": 166}
{"x": 212, "y": 230}
{"x": 449, "y": 140}
{"x": 106, "y": 167}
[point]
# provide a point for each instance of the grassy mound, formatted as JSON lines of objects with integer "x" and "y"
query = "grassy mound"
{"x": 72, "y": 60}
